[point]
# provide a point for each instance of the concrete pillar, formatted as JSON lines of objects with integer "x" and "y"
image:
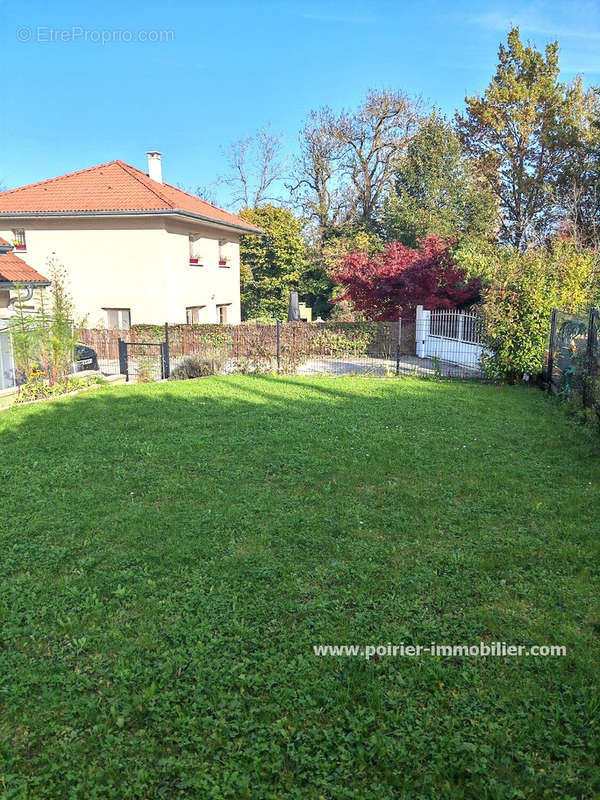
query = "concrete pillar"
{"x": 421, "y": 331}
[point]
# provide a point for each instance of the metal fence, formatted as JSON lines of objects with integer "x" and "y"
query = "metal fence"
{"x": 333, "y": 348}
{"x": 143, "y": 361}
{"x": 573, "y": 365}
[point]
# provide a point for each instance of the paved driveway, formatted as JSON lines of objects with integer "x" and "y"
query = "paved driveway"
{"x": 364, "y": 365}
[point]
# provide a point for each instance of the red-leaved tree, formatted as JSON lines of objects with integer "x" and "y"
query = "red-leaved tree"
{"x": 394, "y": 282}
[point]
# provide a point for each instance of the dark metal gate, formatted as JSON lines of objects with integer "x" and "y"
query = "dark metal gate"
{"x": 144, "y": 361}
{"x": 573, "y": 366}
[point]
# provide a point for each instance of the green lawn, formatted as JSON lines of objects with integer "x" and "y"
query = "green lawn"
{"x": 170, "y": 553}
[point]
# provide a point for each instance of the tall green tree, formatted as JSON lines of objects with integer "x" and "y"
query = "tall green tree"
{"x": 521, "y": 133}
{"x": 578, "y": 188}
{"x": 436, "y": 191}
{"x": 273, "y": 264}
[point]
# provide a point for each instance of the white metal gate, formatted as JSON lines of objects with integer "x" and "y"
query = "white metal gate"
{"x": 450, "y": 335}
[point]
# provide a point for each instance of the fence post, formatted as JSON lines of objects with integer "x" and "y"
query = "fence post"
{"x": 398, "y": 345}
{"x": 167, "y": 359}
{"x": 594, "y": 354}
{"x": 550, "y": 368}
{"x": 123, "y": 359}
{"x": 162, "y": 351}
{"x": 420, "y": 332}
{"x": 589, "y": 359}
{"x": 278, "y": 346}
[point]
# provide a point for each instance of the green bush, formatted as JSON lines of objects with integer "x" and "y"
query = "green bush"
{"x": 519, "y": 291}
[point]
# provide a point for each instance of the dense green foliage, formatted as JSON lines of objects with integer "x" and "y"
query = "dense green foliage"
{"x": 436, "y": 191}
{"x": 520, "y": 290}
{"x": 578, "y": 189}
{"x": 172, "y": 552}
{"x": 523, "y": 132}
{"x": 272, "y": 264}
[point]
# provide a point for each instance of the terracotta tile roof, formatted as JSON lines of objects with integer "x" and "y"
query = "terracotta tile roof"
{"x": 115, "y": 186}
{"x": 14, "y": 270}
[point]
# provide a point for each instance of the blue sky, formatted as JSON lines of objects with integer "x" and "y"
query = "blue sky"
{"x": 228, "y": 67}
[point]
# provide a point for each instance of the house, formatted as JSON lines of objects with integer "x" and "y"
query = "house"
{"x": 136, "y": 249}
{"x": 14, "y": 272}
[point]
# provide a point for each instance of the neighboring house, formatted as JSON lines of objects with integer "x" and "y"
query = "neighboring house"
{"x": 137, "y": 250}
{"x": 14, "y": 272}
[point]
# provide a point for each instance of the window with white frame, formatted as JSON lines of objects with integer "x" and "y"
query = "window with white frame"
{"x": 117, "y": 318}
{"x": 195, "y": 257}
{"x": 19, "y": 240}
{"x": 192, "y": 314}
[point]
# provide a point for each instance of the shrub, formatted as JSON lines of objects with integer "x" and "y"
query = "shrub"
{"x": 392, "y": 283}
{"x": 146, "y": 368}
{"x": 197, "y": 366}
{"x": 519, "y": 291}
{"x": 37, "y": 386}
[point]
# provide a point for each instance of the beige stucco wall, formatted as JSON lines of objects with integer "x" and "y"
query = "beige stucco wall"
{"x": 140, "y": 263}
{"x": 206, "y": 284}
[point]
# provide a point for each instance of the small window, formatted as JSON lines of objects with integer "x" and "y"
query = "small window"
{"x": 222, "y": 314}
{"x": 194, "y": 254}
{"x": 223, "y": 257}
{"x": 192, "y": 314}
{"x": 19, "y": 241}
{"x": 118, "y": 318}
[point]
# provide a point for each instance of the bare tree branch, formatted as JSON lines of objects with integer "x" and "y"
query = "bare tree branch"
{"x": 207, "y": 191}
{"x": 347, "y": 161}
{"x": 255, "y": 165}
{"x": 315, "y": 179}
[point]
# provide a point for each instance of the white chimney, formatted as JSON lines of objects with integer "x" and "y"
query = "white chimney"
{"x": 154, "y": 166}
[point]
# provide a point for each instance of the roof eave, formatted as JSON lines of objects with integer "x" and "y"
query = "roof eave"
{"x": 159, "y": 212}
{"x": 4, "y": 285}
{"x": 204, "y": 218}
